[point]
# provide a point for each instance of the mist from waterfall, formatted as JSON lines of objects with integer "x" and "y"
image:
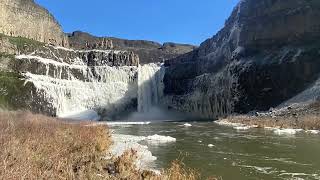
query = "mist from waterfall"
{"x": 150, "y": 96}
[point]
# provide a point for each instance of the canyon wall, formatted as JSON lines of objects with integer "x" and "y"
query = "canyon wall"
{"x": 24, "y": 18}
{"x": 64, "y": 82}
{"x": 267, "y": 53}
{"x": 148, "y": 51}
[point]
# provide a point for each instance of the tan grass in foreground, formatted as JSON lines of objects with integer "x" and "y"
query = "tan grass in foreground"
{"x": 39, "y": 147}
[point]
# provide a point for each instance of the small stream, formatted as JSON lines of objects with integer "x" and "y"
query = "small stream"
{"x": 234, "y": 154}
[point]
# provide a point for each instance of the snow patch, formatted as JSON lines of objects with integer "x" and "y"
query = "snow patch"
{"x": 123, "y": 143}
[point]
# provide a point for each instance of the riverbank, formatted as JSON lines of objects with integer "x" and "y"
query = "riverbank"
{"x": 40, "y": 147}
{"x": 292, "y": 119}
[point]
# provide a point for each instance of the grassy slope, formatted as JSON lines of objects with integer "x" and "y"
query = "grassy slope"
{"x": 39, "y": 147}
{"x": 23, "y": 44}
{"x": 13, "y": 89}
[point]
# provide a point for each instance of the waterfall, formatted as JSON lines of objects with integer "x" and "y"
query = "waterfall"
{"x": 68, "y": 84}
{"x": 150, "y": 86}
{"x": 71, "y": 88}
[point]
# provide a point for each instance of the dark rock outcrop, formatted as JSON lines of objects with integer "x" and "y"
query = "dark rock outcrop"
{"x": 148, "y": 51}
{"x": 266, "y": 53}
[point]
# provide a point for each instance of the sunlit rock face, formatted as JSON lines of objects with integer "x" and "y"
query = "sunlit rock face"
{"x": 70, "y": 82}
{"x": 266, "y": 53}
{"x": 25, "y": 18}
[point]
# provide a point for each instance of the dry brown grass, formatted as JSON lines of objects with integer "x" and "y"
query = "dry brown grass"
{"x": 39, "y": 147}
{"x": 179, "y": 171}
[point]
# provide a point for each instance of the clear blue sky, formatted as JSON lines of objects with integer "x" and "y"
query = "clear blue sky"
{"x": 182, "y": 21}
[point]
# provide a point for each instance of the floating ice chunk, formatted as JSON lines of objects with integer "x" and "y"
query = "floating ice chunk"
{"x": 160, "y": 139}
{"x": 211, "y": 145}
{"x": 241, "y": 127}
{"x": 313, "y": 131}
{"x": 287, "y": 131}
{"x": 187, "y": 125}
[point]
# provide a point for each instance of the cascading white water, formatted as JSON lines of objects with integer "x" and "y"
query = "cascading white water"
{"x": 150, "y": 86}
{"x": 69, "y": 87}
{"x": 75, "y": 88}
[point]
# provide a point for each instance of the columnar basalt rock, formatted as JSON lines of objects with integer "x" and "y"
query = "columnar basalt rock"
{"x": 269, "y": 49}
{"x": 148, "y": 51}
{"x": 24, "y": 18}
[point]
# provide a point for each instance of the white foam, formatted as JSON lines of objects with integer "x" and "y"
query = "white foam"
{"x": 316, "y": 176}
{"x": 126, "y": 123}
{"x": 241, "y": 127}
{"x": 287, "y": 131}
{"x": 263, "y": 170}
{"x": 211, "y": 145}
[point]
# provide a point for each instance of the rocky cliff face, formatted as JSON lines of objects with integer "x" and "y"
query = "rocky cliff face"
{"x": 266, "y": 53}
{"x": 148, "y": 51}
{"x": 24, "y": 18}
{"x": 61, "y": 82}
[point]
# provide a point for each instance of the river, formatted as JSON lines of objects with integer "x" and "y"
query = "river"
{"x": 232, "y": 154}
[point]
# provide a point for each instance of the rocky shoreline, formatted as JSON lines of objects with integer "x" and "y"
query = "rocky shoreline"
{"x": 287, "y": 120}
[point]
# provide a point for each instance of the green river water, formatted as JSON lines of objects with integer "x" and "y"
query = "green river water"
{"x": 236, "y": 155}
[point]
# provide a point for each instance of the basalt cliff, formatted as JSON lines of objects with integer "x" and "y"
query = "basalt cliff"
{"x": 24, "y": 18}
{"x": 266, "y": 55}
{"x": 148, "y": 51}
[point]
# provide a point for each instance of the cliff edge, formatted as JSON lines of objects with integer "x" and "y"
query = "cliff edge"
{"x": 24, "y": 18}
